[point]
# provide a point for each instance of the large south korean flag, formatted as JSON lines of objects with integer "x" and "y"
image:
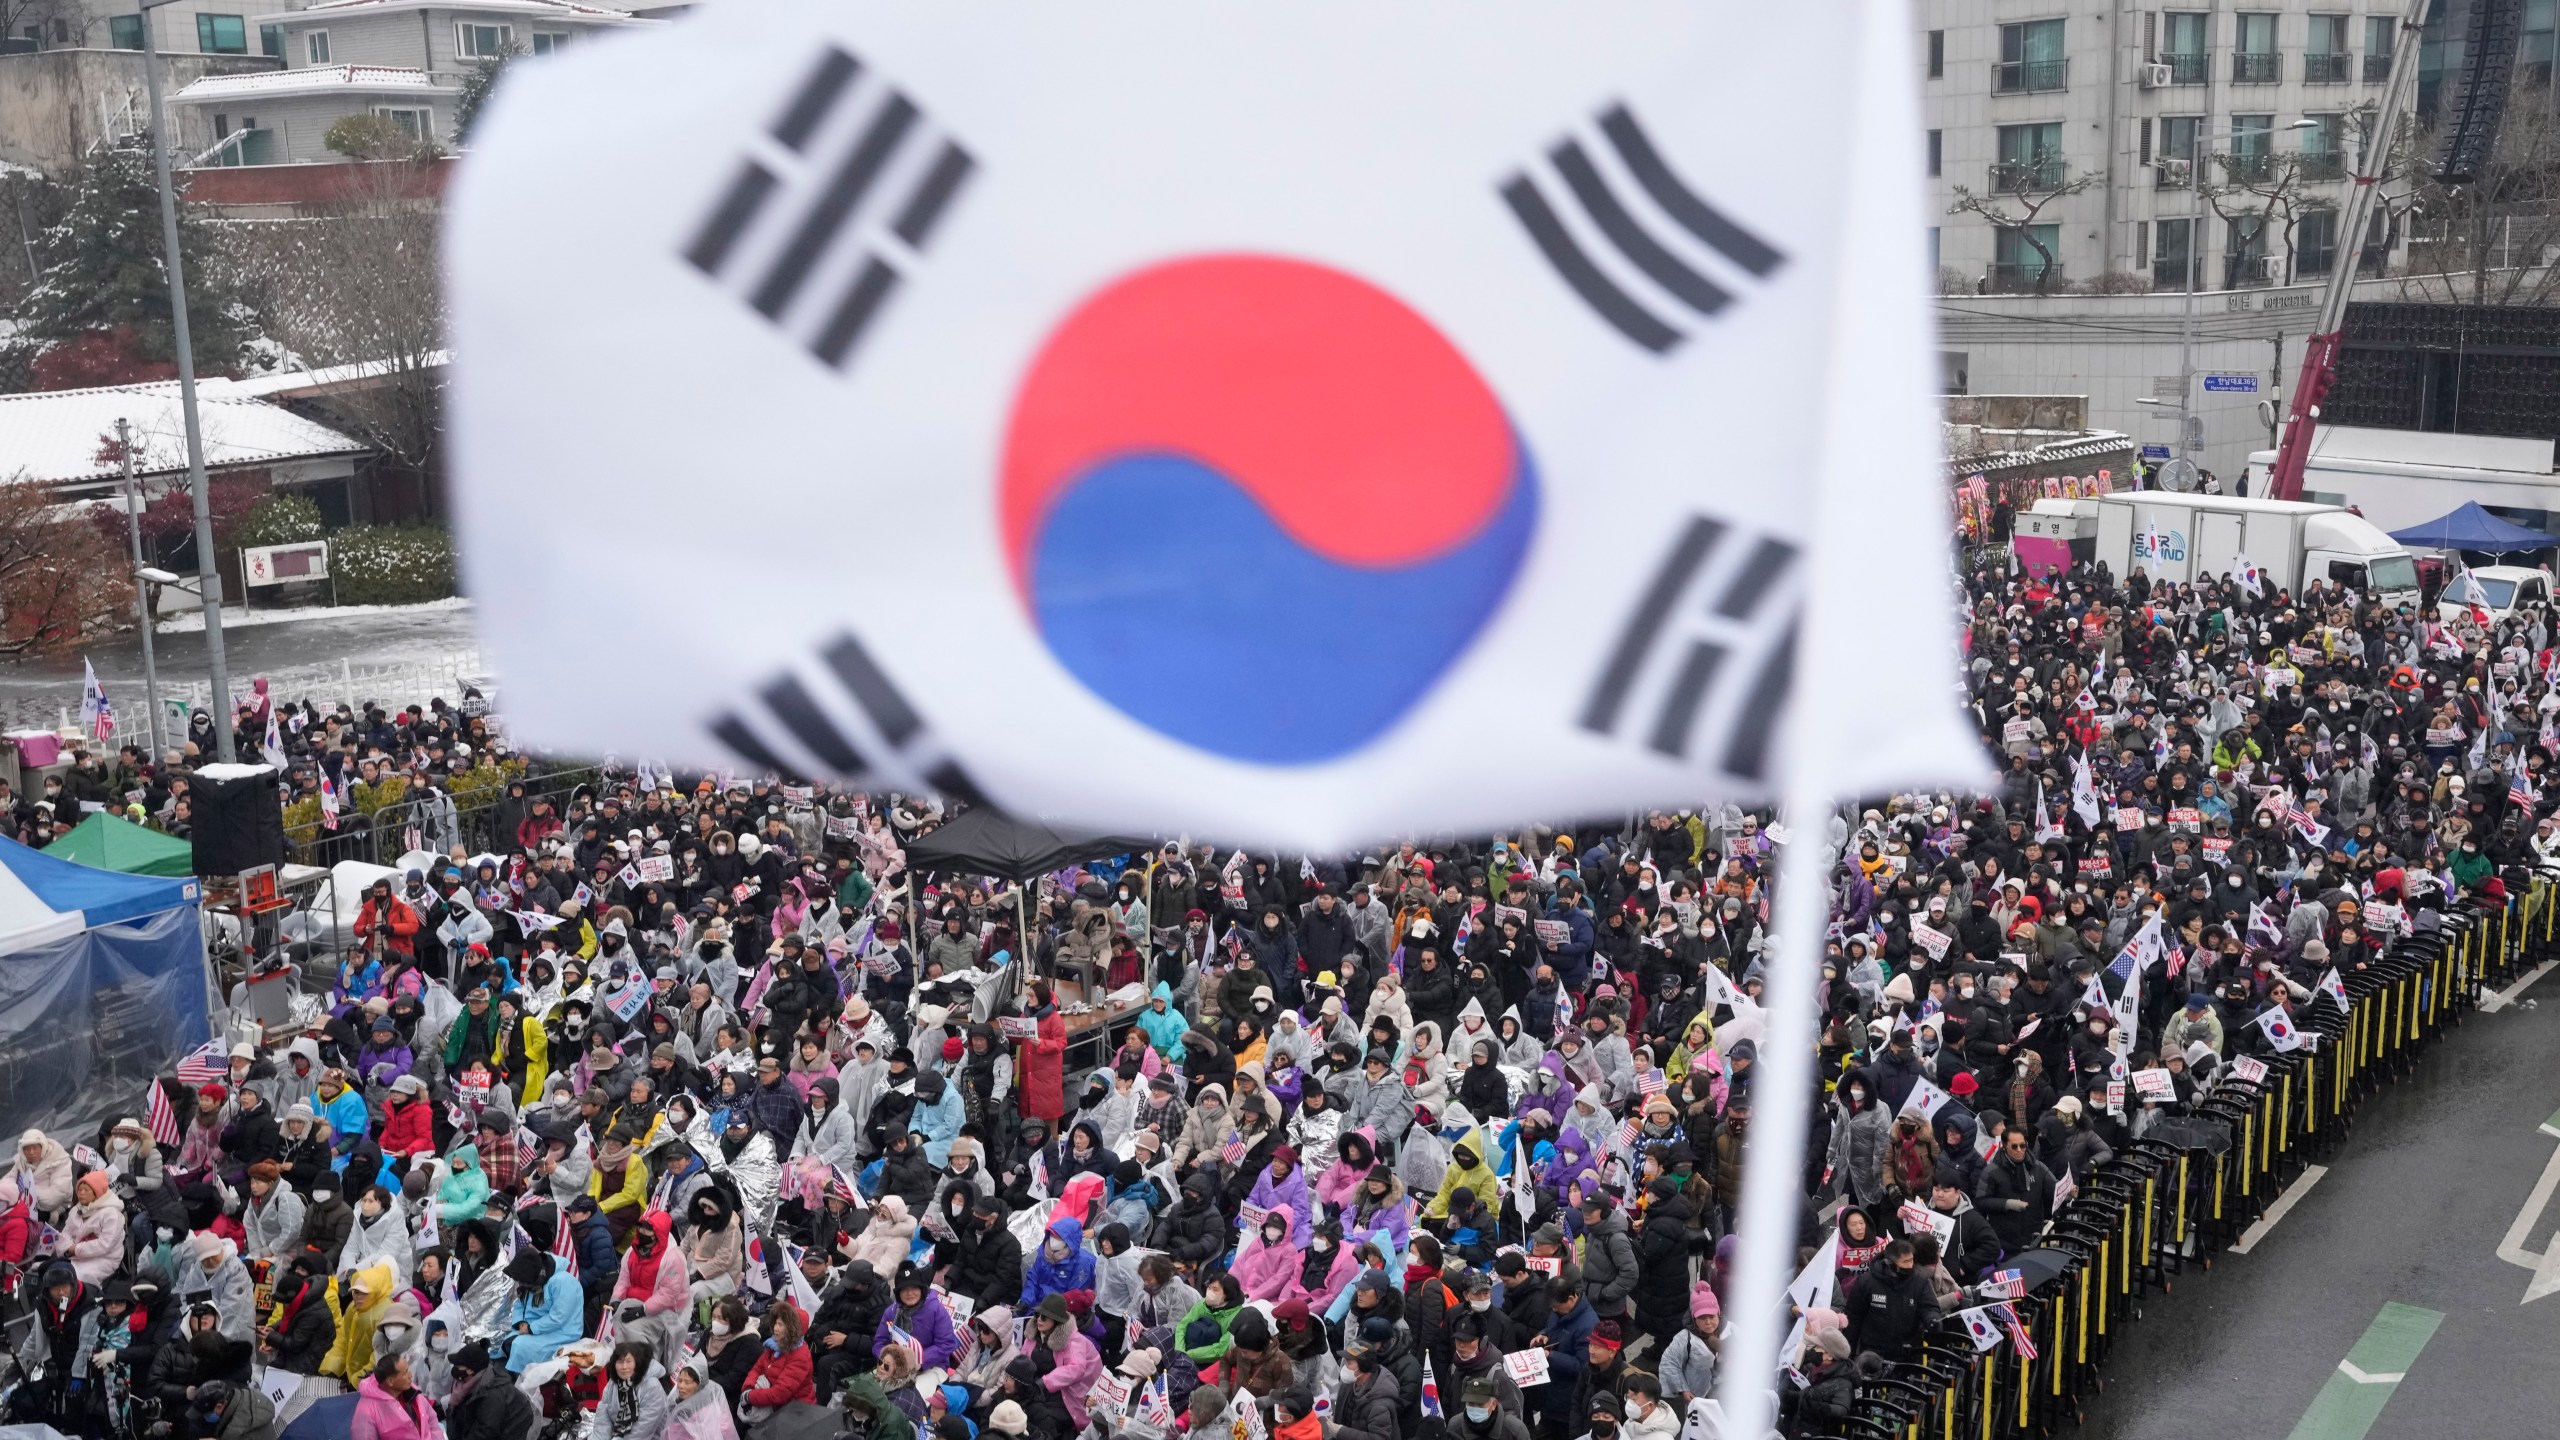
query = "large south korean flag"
{"x": 1295, "y": 423}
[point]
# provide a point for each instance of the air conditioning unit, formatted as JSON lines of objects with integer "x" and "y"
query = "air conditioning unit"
{"x": 2174, "y": 171}
{"x": 2266, "y": 267}
{"x": 2154, "y": 77}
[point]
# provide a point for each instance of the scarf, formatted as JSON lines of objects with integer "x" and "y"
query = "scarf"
{"x": 626, "y": 1405}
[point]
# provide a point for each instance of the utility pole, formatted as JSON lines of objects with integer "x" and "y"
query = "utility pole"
{"x": 208, "y": 568}
{"x": 141, "y": 605}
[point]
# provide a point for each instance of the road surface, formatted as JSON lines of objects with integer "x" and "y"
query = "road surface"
{"x": 2387, "y": 1266}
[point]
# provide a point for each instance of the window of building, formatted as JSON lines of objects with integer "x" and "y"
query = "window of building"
{"x": 124, "y": 32}
{"x": 2252, "y": 142}
{"x": 61, "y": 32}
{"x": 2381, "y": 37}
{"x": 2182, "y": 46}
{"x": 2324, "y": 148}
{"x": 483, "y": 42}
{"x": 1937, "y": 54}
{"x": 2022, "y": 256}
{"x": 2246, "y": 250}
{"x": 2535, "y": 48}
{"x": 2325, "y": 57}
{"x": 2179, "y": 136}
{"x": 2030, "y": 157}
{"x": 2254, "y": 59}
{"x": 546, "y": 41}
{"x": 2031, "y": 58}
{"x": 271, "y": 40}
{"x": 2170, "y": 253}
{"x": 2315, "y": 242}
{"x": 418, "y": 124}
{"x": 315, "y": 47}
{"x": 222, "y": 34}
{"x": 1937, "y": 150}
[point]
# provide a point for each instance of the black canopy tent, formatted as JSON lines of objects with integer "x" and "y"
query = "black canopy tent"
{"x": 982, "y": 841}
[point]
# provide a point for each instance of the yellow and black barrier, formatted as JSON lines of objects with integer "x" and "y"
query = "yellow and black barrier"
{"x": 2194, "y": 1183}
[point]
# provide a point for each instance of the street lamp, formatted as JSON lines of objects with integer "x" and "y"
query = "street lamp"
{"x": 207, "y": 569}
{"x": 141, "y": 578}
{"x": 2187, "y": 428}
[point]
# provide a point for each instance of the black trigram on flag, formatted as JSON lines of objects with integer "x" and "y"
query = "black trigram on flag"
{"x": 831, "y": 717}
{"x": 1704, "y": 653}
{"x": 833, "y": 205}
{"x": 1632, "y": 239}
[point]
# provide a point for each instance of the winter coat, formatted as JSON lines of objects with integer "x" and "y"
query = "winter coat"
{"x": 380, "y": 1416}
{"x": 779, "y": 1377}
{"x": 1368, "y": 1409}
{"x": 1044, "y": 1277}
{"x": 929, "y": 1322}
{"x": 1609, "y": 1266}
{"x": 1040, "y": 1069}
{"x": 93, "y": 1237}
{"x": 1662, "y": 1255}
{"x": 1856, "y": 1155}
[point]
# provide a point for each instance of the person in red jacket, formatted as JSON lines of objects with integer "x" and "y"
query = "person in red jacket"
{"x": 1042, "y": 1068}
{"x": 408, "y": 1120}
{"x": 386, "y": 925}
{"x": 782, "y": 1373}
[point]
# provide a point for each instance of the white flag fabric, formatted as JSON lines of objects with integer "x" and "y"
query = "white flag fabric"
{"x": 1259, "y": 403}
{"x": 97, "y": 716}
{"x": 2084, "y": 791}
{"x": 2335, "y": 988}
{"x": 1923, "y": 1101}
{"x": 2465, "y": 589}
{"x": 2246, "y": 572}
{"x": 2280, "y": 1029}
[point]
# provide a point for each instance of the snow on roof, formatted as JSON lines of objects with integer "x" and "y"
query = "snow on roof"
{"x": 560, "y": 9}
{"x": 309, "y": 382}
{"x": 59, "y": 437}
{"x": 313, "y": 80}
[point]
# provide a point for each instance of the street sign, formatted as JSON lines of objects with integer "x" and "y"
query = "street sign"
{"x": 285, "y": 564}
{"x": 2231, "y": 384}
{"x": 2155, "y": 452}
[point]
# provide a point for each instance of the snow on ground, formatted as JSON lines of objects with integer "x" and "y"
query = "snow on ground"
{"x": 233, "y": 617}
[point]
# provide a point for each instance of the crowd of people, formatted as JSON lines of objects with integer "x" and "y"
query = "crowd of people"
{"x": 689, "y": 1109}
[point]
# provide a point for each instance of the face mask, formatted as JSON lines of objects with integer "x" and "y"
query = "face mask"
{"x": 719, "y": 1327}
{"x": 1056, "y": 1249}
{"x": 1481, "y": 1305}
{"x": 1321, "y": 1245}
{"x": 1480, "y": 1413}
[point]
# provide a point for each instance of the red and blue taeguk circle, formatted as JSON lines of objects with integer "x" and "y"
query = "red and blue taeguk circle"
{"x": 1260, "y": 505}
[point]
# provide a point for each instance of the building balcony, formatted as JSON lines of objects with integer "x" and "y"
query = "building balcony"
{"x": 2324, "y": 165}
{"x": 2247, "y": 167}
{"x": 2024, "y": 277}
{"x": 2169, "y": 275}
{"x": 2189, "y": 69}
{"x": 2325, "y": 69}
{"x": 2377, "y": 69}
{"x": 2022, "y": 77}
{"x": 2009, "y": 177}
{"x": 2250, "y": 67}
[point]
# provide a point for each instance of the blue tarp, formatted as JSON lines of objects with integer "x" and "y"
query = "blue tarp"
{"x": 102, "y": 986}
{"x": 2472, "y": 528}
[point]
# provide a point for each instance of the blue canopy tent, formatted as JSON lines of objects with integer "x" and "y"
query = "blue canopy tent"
{"x": 102, "y": 987}
{"x": 2472, "y": 528}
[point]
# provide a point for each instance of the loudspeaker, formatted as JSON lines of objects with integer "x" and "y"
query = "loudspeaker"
{"x": 239, "y": 818}
{"x": 2478, "y": 103}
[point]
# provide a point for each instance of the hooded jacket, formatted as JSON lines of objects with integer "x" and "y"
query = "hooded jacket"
{"x": 1044, "y": 1277}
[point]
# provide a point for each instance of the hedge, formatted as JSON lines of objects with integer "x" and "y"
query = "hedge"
{"x": 282, "y": 519}
{"x": 391, "y": 564}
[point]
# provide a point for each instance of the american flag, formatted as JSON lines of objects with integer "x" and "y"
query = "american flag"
{"x": 1650, "y": 1084}
{"x": 2520, "y": 793}
{"x": 1627, "y": 1133}
{"x": 564, "y": 1244}
{"x": 157, "y": 1114}
{"x": 206, "y": 1062}
{"x": 526, "y": 1150}
{"x": 2017, "y": 1333}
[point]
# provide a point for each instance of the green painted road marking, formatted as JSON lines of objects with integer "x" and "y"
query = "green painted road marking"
{"x": 2348, "y": 1405}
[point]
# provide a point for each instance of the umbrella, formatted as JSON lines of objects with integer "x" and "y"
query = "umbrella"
{"x": 329, "y": 1419}
{"x": 2187, "y": 1132}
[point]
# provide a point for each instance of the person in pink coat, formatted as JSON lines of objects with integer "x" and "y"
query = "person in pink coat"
{"x": 1268, "y": 1265}
{"x": 390, "y": 1406}
{"x": 655, "y": 1281}
{"x": 1339, "y": 1185}
{"x": 1078, "y": 1364}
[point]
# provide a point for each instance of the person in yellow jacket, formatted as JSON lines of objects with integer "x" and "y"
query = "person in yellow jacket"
{"x": 1469, "y": 1167}
{"x": 620, "y": 1184}
{"x": 527, "y": 1051}
{"x": 1696, "y": 1039}
{"x": 357, "y": 1301}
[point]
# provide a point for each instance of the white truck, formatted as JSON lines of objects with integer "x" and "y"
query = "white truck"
{"x": 2400, "y": 478}
{"x": 2173, "y": 536}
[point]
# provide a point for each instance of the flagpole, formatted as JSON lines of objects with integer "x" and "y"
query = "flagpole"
{"x": 1781, "y": 1108}
{"x": 141, "y": 604}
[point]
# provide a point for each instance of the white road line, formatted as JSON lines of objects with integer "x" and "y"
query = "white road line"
{"x": 2348, "y": 1369}
{"x": 2511, "y": 1249}
{"x": 2492, "y": 1004}
{"x": 2255, "y": 1233}
{"x": 2546, "y": 1276}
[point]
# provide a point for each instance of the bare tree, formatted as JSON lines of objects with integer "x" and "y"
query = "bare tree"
{"x": 56, "y": 24}
{"x": 2262, "y": 197}
{"x": 2496, "y": 239}
{"x": 2020, "y": 193}
{"x": 356, "y": 284}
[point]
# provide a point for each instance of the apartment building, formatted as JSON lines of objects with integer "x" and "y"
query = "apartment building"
{"x": 2089, "y": 125}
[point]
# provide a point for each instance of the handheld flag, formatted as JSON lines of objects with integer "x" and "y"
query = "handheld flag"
{"x": 1351, "y": 378}
{"x": 2335, "y": 988}
{"x": 206, "y": 1062}
{"x": 2465, "y": 589}
{"x": 1430, "y": 1391}
{"x": 2280, "y": 1029}
{"x": 97, "y": 716}
{"x": 1984, "y": 1330}
{"x": 2084, "y": 791}
{"x": 2246, "y": 571}
{"x": 1923, "y": 1101}
{"x": 2017, "y": 1332}
{"x": 159, "y": 1116}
